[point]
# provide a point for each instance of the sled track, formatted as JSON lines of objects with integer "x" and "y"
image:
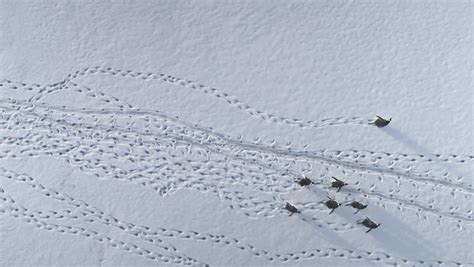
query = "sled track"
{"x": 166, "y": 154}
{"x": 231, "y": 100}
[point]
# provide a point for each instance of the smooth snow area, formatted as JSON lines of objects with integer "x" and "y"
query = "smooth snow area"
{"x": 162, "y": 133}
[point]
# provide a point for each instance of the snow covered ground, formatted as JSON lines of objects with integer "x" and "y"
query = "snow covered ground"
{"x": 174, "y": 132}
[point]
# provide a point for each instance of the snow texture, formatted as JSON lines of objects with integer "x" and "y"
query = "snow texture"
{"x": 174, "y": 133}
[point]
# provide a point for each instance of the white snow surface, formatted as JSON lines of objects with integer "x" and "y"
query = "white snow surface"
{"x": 167, "y": 133}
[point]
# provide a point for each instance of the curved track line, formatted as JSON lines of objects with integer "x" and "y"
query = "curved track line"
{"x": 231, "y": 100}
